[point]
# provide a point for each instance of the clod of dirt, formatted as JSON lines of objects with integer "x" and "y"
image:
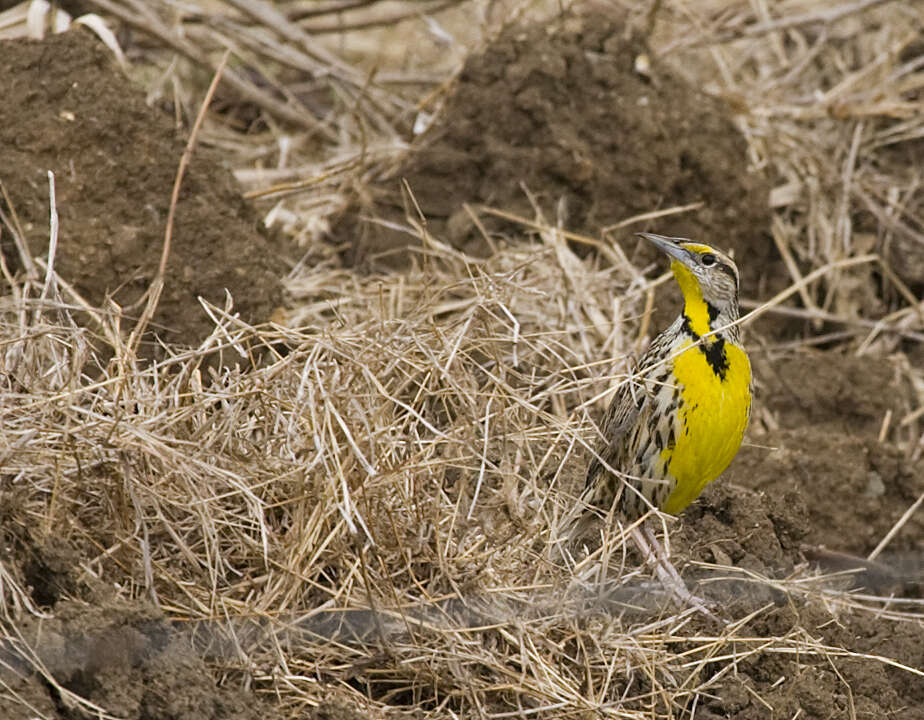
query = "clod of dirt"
{"x": 67, "y": 108}
{"x": 561, "y": 111}
{"x": 731, "y": 525}
{"x": 124, "y": 658}
{"x": 47, "y": 571}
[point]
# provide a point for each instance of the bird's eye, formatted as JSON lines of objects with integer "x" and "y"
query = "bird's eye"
{"x": 708, "y": 260}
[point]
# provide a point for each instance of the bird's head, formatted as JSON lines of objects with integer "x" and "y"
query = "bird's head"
{"x": 703, "y": 272}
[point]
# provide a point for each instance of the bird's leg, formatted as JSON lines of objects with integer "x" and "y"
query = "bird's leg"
{"x": 670, "y": 579}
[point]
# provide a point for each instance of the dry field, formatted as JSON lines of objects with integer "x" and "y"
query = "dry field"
{"x": 300, "y": 367}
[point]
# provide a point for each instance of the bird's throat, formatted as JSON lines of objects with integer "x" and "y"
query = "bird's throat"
{"x": 699, "y": 314}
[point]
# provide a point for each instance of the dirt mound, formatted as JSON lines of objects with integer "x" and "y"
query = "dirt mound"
{"x": 67, "y": 108}
{"x": 853, "y": 490}
{"x": 124, "y": 657}
{"x": 827, "y": 455}
{"x": 561, "y": 111}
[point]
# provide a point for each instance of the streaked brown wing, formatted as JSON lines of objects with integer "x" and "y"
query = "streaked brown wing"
{"x": 623, "y": 412}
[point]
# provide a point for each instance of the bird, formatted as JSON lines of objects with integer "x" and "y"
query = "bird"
{"x": 677, "y": 422}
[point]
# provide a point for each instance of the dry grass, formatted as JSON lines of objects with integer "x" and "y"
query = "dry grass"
{"x": 824, "y": 105}
{"x": 366, "y": 508}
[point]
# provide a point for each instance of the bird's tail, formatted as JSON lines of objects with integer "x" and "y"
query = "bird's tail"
{"x": 583, "y": 518}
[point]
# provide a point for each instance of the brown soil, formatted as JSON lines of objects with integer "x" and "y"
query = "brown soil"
{"x": 67, "y": 108}
{"x": 565, "y": 114}
{"x": 821, "y": 688}
{"x": 126, "y": 658}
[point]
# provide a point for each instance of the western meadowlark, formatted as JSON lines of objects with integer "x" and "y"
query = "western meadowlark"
{"x": 675, "y": 426}
{"x": 677, "y": 422}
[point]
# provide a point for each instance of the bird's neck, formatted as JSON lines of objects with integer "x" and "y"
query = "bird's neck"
{"x": 699, "y": 316}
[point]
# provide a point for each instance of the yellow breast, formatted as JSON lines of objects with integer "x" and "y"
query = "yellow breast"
{"x": 713, "y": 415}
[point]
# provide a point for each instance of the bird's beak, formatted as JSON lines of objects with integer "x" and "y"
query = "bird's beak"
{"x": 668, "y": 245}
